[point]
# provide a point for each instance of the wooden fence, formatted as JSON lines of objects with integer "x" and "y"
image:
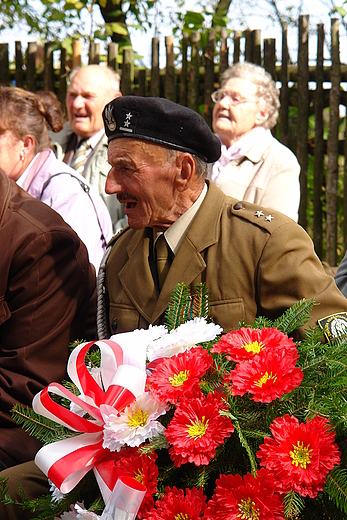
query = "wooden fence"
{"x": 304, "y": 98}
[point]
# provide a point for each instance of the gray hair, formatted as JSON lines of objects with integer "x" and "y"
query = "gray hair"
{"x": 110, "y": 74}
{"x": 268, "y": 92}
{"x": 201, "y": 166}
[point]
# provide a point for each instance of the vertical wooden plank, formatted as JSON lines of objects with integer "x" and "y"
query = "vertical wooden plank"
{"x": 112, "y": 55}
{"x": 18, "y": 76}
{"x": 209, "y": 75}
{"x": 62, "y": 80}
{"x": 142, "y": 83}
{"x": 184, "y": 70}
{"x": 94, "y": 53}
{"x": 333, "y": 147}
{"x": 4, "y": 65}
{"x": 318, "y": 170}
{"x": 155, "y": 80}
{"x": 302, "y": 119}
{"x": 256, "y": 46}
{"x": 127, "y": 71}
{"x": 76, "y": 53}
{"x": 248, "y": 45}
{"x": 237, "y": 46}
{"x": 170, "y": 76}
{"x": 49, "y": 70}
{"x": 31, "y": 67}
{"x": 224, "y": 52}
{"x": 270, "y": 56}
{"x": 284, "y": 108}
{"x": 193, "y": 76}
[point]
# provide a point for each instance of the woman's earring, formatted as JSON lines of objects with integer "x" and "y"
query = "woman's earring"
{"x": 22, "y": 158}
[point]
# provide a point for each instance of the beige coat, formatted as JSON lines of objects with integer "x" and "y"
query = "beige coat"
{"x": 267, "y": 175}
{"x": 253, "y": 267}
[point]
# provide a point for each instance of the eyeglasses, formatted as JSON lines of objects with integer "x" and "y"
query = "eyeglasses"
{"x": 233, "y": 98}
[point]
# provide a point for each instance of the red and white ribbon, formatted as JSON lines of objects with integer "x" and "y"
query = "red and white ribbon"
{"x": 66, "y": 462}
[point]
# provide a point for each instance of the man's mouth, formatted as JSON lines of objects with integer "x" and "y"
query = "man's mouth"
{"x": 128, "y": 200}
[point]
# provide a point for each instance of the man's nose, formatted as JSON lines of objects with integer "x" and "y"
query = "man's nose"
{"x": 78, "y": 101}
{"x": 112, "y": 185}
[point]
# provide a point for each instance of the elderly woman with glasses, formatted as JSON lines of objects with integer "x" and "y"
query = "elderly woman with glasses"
{"x": 253, "y": 166}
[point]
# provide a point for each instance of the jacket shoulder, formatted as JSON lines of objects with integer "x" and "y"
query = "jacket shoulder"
{"x": 124, "y": 235}
{"x": 264, "y": 218}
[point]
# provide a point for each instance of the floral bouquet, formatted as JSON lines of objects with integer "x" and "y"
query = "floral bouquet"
{"x": 246, "y": 425}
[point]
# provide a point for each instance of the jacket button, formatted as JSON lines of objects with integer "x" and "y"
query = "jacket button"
{"x": 114, "y": 326}
{"x": 238, "y": 205}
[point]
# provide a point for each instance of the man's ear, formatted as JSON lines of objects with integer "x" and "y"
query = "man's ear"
{"x": 185, "y": 171}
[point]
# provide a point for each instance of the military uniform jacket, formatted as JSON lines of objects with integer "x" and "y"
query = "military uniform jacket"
{"x": 253, "y": 264}
{"x": 46, "y": 285}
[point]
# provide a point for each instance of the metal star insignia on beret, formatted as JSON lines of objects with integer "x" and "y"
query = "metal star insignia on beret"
{"x": 268, "y": 218}
{"x": 259, "y": 213}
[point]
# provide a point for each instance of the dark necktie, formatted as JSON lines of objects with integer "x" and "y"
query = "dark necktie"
{"x": 162, "y": 259}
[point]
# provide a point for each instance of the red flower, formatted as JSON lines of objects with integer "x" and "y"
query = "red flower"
{"x": 248, "y": 497}
{"x": 196, "y": 430}
{"x": 144, "y": 469}
{"x": 179, "y": 375}
{"x": 174, "y": 505}
{"x": 267, "y": 377}
{"x": 244, "y": 344}
{"x": 300, "y": 456}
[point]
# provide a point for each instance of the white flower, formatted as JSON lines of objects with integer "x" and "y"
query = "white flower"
{"x": 136, "y": 424}
{"x": 183, "y": 338}
{"x": 57, "y": 495}
{"x": 78, "y": 512}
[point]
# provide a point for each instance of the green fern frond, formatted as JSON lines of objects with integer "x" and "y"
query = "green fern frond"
{"x": 336, "y": 487}
{"x": 293, "y": 505}
{"x": 294, "y": 317}
{"x": 200, "y": 302}
{"x": 178, "y": 307}
{"x": 43, "y": 429}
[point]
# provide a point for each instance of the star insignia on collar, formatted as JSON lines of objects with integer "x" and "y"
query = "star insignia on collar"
{"x": 268, "y": 218}
{"x": 259, "y": 213}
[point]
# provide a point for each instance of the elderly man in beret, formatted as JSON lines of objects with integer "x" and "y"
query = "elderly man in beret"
{"x": 255, "y": 261}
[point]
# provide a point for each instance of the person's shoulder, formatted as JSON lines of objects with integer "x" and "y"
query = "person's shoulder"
{"x": 266, "y": 219}
{"x": 281, "y": 150}
{"x": 121, "y": 237}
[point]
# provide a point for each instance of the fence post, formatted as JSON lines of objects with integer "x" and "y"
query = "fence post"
{"x": 49, "y": 71}
{"x": 318, "y": 175}
{"x": 18, "y": 76}
{"x": 224, "y": 52}
{"x": 127, "y": 71}
{"x": 62, "y": 79}
{"x": 284, "y": 108}
{"x": 302, "y": 119}
{"x": 155, "y": 79}
{"x": 184, "y": 70}
{"x": 270, "y": 56}
{"x": 256, "y": 46}
{"x": 237, "y": 46}
{"x": 31, "y": 66}
{"x": 94, "y": 53}
{"x": 193, "y": 83}
{"x": 76, "y": 53}
{"x": 142, "y": 82}
{"x": 170, "y": 77}
{"x": 209, "y": 75}
{"x": 248, "y": 45}
{"x": 333, "y": 146}
{"x": 4, "y": 65}
{"x": 112, "y": 55}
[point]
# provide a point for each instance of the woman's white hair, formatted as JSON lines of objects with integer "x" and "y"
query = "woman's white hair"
{"x": 267, "y": 92}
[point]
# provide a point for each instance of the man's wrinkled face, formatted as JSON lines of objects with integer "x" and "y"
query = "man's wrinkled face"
{"x": 142, "y": 176}
{"x": 87, "y": 95}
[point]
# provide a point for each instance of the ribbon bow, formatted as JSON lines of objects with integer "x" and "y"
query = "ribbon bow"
{"x": 66, "y": 462}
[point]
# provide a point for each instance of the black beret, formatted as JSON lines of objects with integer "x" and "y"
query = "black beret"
{"x": 161, "y": 121}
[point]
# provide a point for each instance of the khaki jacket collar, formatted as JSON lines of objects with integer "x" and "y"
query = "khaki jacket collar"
{"x": 186, "y": 266}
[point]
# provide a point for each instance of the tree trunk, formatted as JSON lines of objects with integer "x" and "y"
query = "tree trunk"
{"x": 113, "y": 13}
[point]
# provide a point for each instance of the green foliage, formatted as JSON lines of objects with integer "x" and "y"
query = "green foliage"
{"x": 322, "y": 392}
